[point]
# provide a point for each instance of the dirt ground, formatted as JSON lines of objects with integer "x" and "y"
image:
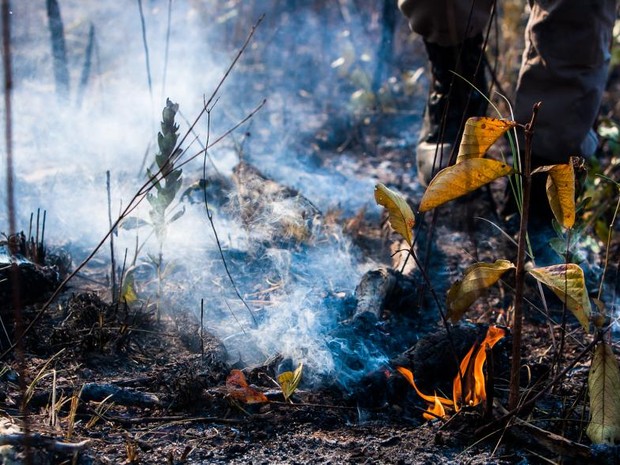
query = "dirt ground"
{"x": 96, "y": 381}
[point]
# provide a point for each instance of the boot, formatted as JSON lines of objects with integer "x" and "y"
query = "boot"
{"x": 451, "y": 101}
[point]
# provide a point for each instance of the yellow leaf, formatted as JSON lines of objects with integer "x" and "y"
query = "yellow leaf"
{"x": 479, "y": 134}
{"x": 401, "y": 217}
{"x": 289, "y": 381}
{"x": 128, "y": 288}
{"x": 568, "y": 283}
{"x": 476, "y": 279}
{"x": 561, "y": 191}
{"x": 457, "y": 180}
{"x": 604, "y": 385}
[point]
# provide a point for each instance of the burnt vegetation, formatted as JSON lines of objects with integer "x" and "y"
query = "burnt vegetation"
{"x": 208, "y": 279}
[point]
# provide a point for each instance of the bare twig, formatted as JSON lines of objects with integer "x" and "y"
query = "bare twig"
{"x": 557, "y": 363}
{"x": 224, "y": 135}
{"x": 145, "y": 43}
{"x": 213, "y": 228}
{"x": 529, "y": 402}
{"x": 224, "y": 77}
{"x": 10, "y": 189}
{"x": 88, "y": 60}
{"x": 8, "y": 107}
{"x": 168, "y": 28}
{"x": 112, "y": 261}
{"x": 173, "y": 419}
{"x": 517, "y": 323}
{"x": 608, "y": 244}
{"x": 42, "y": 441}
{"x": 442, "y": 313}
{"x": 202, "y": 322}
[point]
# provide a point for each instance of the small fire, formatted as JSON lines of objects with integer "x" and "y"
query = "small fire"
{"x": 435, "y": 411}
{"x": 469, "y": 384}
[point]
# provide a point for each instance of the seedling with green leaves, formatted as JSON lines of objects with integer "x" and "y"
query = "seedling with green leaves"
{"x": 166, "y": 182}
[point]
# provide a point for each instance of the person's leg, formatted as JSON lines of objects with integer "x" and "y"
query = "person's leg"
{"x": 565, "y": 64}
{"x": 446, "y": 22}
{"x": 452, "y": 33}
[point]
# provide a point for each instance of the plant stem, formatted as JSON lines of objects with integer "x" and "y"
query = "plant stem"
{"x": 532, "y": 400}
{"x": 216, "y": 236}
{"x": 112, "y": 261}
{"x": 442, "y": 314}
{"x": 145, "y": 43}
{"x": 558, "y": 356}
{"x": 202, "y": 327}
{"x": 168, "y": 28}
{"x": 7, "y": 57}
{"x": 517, "y": 323}
{"x": 608, "y": 244}
{"x": 88, "y": 60}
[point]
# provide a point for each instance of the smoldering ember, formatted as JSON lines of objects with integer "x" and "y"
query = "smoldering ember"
{"x": 220, "y": 243}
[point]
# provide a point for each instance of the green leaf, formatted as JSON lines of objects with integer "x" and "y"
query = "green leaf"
{"x": 401, "y": 216}
{"x": 604, "y": 385}
{"x": 476, "y": 279}
{"x": 133, "y": 222}
{"x": 568, "y": 283}
{"x": 151, "y": 176}
{"x": 177, "y": 215}
{"x": 289, "y": 381}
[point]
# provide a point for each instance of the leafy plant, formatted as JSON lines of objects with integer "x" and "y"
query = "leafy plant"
{"x": 166, "y": 182}
{"x": 472, "y": 171}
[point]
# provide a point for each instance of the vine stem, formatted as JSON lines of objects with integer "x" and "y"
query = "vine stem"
{"x": 517, "y": 322}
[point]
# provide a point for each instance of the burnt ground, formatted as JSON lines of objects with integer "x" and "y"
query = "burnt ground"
{"x": 120, "y": 383}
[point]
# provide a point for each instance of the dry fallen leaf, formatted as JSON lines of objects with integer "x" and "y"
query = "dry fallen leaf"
{"x": 568, "y": 283}
{"x": 561, "y": 191}
{"x": 401, "y": 216}
{"x": 479, "y": 134}
{"x": 604, "y": 385}
{"x": 476, "y": 279}
{"x": 238, "y": 388}
{"x": 464, "y": 177}
{"x": 289, "y": 381}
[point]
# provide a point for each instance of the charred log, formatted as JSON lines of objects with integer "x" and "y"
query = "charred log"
{"x": 372, "y": 292}
{"x": 273, "y": 211}
{"x": 383, "y": 293}
{"x": 31, "y": 281}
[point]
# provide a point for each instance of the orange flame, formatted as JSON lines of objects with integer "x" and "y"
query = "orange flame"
{"x": 469, "y": 384}
{"x": 408, "y": 374}
{"x": 436, "y": 410}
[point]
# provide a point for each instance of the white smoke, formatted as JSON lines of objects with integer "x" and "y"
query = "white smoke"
{"x": 63, "y": 150}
